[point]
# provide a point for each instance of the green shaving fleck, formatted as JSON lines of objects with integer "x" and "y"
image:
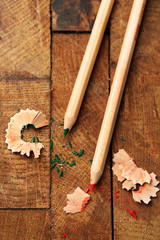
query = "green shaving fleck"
{"x": 70, "y": 145}
{"x": 26, "y": 126}
{"x": 32, "y": 141}
{"x": 81, "y": 152}
{"x": 73, "y": 163}
{"x": 67, "y": 162}
{"x": 75, "y": 153}
{"x": 65, "y": 132}
{"x": 53, "y": 130}
{"x": 52, "y": 119}
{"x": 60, "y": 154}
{"x": 32, "y": 126}
{"x": 122, "y": 139}
{"x": 57, "y": 169}
{"x": 25, "y": 140}
{"x": 37, "y": 140}
{"x": 63, "y": 146}
{"x": 57, "y": 158}
{"x": 63, "y": 184}
{"x": 61, "y": 174}
{"x": 53, "y": 166}
{"x": 62, "y": 124}
{"x": 87, "y": 132}
{"x": 91, "y": 161}
{"x": 51, "y": 145}
{"x": 21, "y": 135}
{"x": 55, "y": 136}
{"x": 70, "y": 157}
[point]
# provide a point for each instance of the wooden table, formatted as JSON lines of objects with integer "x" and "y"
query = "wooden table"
{"x": 40, "y": 58}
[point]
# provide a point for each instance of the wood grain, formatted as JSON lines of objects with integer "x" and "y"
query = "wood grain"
{"x": 95, "y": 221}
{"x": 25, "y": 182}
{"x": 24, "y": 224}
{"x": 74, "y": 15}
{"x": 138, "y": 119}
{"x": 25, "y": 39}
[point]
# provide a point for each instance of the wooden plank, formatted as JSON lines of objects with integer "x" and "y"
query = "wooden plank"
{"x": 25, "y": 39}
{"x": 138, "y": 119}
{"x": 95, "y": 221}
{"x": 74, "y": 15}
{"x": 24, "y": 224}
{"x": 25, "y": 182}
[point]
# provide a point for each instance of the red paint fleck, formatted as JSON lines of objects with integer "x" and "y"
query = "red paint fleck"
{"x": 138, "y": 211}
{"x": 92, "y": 186}
{"x": 143, "y": 218}
{"x": 152, "y": 151}
{"x": 64, "y": 235}
{"x": 132, "y": 213}
{"x": 101, "y": 187}
{"x": 83, "y": 207}
{"x": 117, "y": 196}
{"x": 124, "y": 219}
{"x": 87, "y": 190}
{"x": 116, "y": 192}
{"x": 109, "y": 198}
{"x": 127, "y": 219}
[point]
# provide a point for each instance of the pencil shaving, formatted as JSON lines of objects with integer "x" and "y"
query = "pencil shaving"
{"x": 76, "y": 201}
{"x": 146, "y": 191}
{"x": 129, "y": 169}
{"x": 17, "y": 124}
{"x": 128, "y": 185}
{"x": 118, "y": 172}
{"x": 127, "y": 172}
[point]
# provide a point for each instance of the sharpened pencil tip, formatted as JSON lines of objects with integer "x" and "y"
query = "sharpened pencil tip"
{"x": 92, "y": 186}
{"x": 66, "y": 130}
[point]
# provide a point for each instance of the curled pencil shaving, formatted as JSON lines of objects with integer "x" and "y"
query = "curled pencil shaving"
{"x": 124, "y": 168}
{"x": 76, "y": 201}
{"x": 146, "y": 191}
{"x": 17, "y": 124}
{"x": 129, "y": 169}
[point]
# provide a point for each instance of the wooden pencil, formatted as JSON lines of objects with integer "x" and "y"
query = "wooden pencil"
{"x": 117, "y": 88}
{"x": 87, "y": 64}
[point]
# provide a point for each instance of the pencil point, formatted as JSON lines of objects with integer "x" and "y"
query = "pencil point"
{"x": 66, "y": 130}
{"x": 92, "y": 186}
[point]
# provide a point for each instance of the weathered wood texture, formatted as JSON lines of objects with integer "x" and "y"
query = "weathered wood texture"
{"x": 138, "y": 119}
{"x": 25, "y": 182}
{"x": 25, "y": 39}
{"x": 95, "y": 221}
{"x": 24, "y": 224}
{"x": 74, "y": 15}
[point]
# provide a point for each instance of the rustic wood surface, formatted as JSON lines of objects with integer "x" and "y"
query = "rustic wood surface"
{"x": 25, "y": 39}
{"x": 31, "y": 196}
{"x": 74, "y": 15}
{"x": 24, "y": 224}
{"x": 138, "y": 119}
